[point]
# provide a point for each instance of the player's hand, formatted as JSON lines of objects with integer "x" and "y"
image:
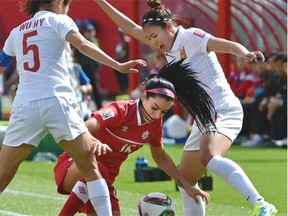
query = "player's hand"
{"x": 102, "y": 149}
{"x": 204, "y": 195}
{"x": 254, "y": 56}
{"x": 194, "y": 192}
{"x": 98, "y": 147}
{"x": 128, "y": 67}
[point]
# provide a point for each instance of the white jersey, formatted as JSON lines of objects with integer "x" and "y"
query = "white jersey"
{"x": 191, "y": 44}
{"x": 42, "y": 55}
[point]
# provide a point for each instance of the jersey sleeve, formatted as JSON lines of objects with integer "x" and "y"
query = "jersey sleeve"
{"x": 66, "y": 24}
{"x": 199, "y": 39}
{"x": 109, "y": 115}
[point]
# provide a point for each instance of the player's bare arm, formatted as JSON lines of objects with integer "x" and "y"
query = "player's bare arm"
{"x": 125, "y": 23}
{"x": 166, "y": 163}
{"x": 221, "y": 45}
{"x": 94, "y": 52}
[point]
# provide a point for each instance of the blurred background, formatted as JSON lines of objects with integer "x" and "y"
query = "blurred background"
{"x": 258, "y": 25}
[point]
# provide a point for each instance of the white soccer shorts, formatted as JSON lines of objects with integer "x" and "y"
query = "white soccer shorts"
{"x": 229, "y": 123}
{"x": 31, "y": 121}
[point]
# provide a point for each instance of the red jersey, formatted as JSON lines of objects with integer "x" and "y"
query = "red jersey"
{"x": 122, "y": 130}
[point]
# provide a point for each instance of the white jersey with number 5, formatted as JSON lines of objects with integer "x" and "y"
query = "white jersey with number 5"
{"x": 42, "y": 55}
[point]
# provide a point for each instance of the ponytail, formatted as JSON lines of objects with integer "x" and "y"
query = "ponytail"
{"x": 191, "y": 93}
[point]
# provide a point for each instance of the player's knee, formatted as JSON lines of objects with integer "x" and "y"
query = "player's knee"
{"x": 205, "y": 158}
{"x": 86, "y": 167}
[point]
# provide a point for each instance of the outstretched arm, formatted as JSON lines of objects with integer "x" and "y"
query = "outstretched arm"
{"x": 221, "y": 45}
{"x": 166, "y": 163}
{"x": 91, "y": 50}
{"x": 124, "y": 22}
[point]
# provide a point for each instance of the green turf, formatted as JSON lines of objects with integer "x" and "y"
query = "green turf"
{"x": 33, "y": 191}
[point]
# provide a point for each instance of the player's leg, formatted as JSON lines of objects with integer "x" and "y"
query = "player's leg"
{"x": 67, "y": 175}
{"x": 14, "y": 151}
{"x": 212, "y": 153}
{"x": 63, "y": 119}
{"x": 214, "y": 148}
{"x": 71, "y": 177}
{"x": 113, "y": 194}
{"x": 192, "y": 169}
{"x": 10, "y": 159}
{"x": 78, "y": 197}
{"x": 114, "y": 202}
{"x": 81, "y": 151}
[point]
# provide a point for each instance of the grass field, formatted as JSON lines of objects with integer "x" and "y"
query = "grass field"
{"x": 33, "y": 191}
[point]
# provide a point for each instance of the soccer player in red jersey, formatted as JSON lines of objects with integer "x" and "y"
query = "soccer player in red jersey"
{"x": 125, "y": 126}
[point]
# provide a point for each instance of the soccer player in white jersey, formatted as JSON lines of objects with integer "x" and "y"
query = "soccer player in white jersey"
{"x": 45, "y": 102}
{"x": 202, "y": 151}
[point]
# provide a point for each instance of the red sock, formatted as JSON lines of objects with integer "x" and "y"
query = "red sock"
{"x": 76, "y": 200}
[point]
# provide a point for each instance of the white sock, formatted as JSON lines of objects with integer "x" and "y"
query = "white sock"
{"x": 80, "y": 190}
{"x": 99, "y": 197}
{"x": 190, "y": 207}
{"x": 235, "y": 177}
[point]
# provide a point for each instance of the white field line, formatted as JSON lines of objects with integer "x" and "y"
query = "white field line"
{"x": 16, "y": 192}
{"x": 30, "y": 194}
{"x": 3, "y": 212}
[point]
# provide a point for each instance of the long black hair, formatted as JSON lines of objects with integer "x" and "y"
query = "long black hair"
{"x": 190, "y": 92}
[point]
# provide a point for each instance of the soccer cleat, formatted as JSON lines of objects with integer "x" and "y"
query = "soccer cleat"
{"x": 264, "y": 209}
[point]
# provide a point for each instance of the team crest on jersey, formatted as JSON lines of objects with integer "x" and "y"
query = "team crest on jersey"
{"x": 145, "y": 135}
{"x": 124, "y": 128}
{"x": 106, "y": 113}
{"x": 183, "y": 53}
{"x": 82, "y": 190}
{"x": 199, "y": 33}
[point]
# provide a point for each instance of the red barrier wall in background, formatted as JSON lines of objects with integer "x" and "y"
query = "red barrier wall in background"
{"x": 80, "y": 9}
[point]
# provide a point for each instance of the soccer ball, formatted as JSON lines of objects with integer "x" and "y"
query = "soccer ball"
{"x": 156, "y": 204}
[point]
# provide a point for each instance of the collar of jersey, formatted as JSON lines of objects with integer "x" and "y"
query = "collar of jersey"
{"x": 41, "y": 12}
{"x": 138, "y": 114}
{"x": 178, "y": 39}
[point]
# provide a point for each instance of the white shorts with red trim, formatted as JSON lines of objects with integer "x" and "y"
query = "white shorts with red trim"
{"x": 228, "y": 121}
